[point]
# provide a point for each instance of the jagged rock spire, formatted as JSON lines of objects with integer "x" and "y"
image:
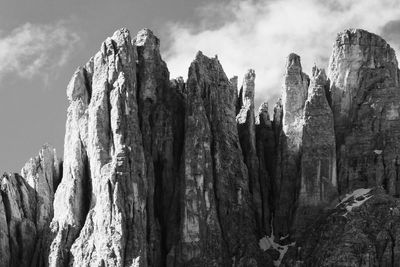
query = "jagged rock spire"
{"x": 26, "y": 210}
{"x": 247, "y": 136}
{"x": 318, "y": 161}
{"x": 101, "y": 187}
{"x": 294, "y": 94}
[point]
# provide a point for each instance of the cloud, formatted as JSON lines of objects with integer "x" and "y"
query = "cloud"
{"x": 260, "y": 34}
{"x": 391, "y": 31}
{"x": 36, "y": 49}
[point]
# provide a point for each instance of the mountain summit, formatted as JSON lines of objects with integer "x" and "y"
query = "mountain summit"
{"x": 160, "y": 172}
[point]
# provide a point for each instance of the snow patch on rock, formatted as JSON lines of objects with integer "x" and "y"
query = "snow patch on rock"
{"x": 267, "y": 242}
{"x": 355, "y": 199}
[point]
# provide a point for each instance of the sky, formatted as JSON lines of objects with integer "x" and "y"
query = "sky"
{"x": 42, "y": 42}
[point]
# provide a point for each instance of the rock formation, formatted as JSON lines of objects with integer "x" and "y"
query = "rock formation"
{"x": 161, "y": 115}
{"x": 266, "y": 152}
{"x": 160, "y": 172}
{"x": 140, "y": 185}
{"x": 247, "y": 136}
{"x": 218, "y": 223}
{"x": 318, "y": 159}
{"x": 294, "y": 95}
{"x": 364, "y": 76}
{"x": 109, "y": 189}
{"x": 26, "y": 209}
{"x": 362, "y": 230}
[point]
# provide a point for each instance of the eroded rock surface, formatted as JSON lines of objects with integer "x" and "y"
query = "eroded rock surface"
{"x": 161, "y": 115}
{"x": 318, "y": 159}
{"x": 363, "y": 230}
{"x": 247, "y": 136}
{"x": 287, "y": 179}
{"x": 365, "y": 100}
{"x": 26, "y": 210}
{"x": 161, "y": 172}
{"x": 218, "y": 223}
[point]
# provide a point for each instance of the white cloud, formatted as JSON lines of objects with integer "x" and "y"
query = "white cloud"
{"x": 260, "y": 34}
{"x": 34, "y": 49}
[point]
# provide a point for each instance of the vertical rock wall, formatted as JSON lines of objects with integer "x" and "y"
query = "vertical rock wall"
{"x": 287, "y": 180}
{"x": 153, "y": 169}
{"x": 160, "y": 172}
{"x": 247, "y": 136}
{"x": 365, "y": 100}
{"x": 318, "y": 160}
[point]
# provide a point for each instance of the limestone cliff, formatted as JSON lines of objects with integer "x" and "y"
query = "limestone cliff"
{"x": 247, "y": 136}
{"x": 365, "y": 100}
{"x": 318, "y": 159}
{"x": 160, "y": 172}
{"x": 153, "y": 170}
{"x": 287, "y": 177}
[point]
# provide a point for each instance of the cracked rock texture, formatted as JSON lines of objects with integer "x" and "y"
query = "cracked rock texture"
{"x": 318, "y": 160}
{"x": 153, "y": 169}
{"x": 247, "y": 136}
{"x": 287, "y": 177}
{"x": 160, "y": 172}
{"x": 366, "y": 236}
{"x": 364, "y": 77}
{"x": 26, "y": 210}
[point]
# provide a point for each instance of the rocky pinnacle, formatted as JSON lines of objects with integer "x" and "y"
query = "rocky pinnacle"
{"x": 168, "y": 172}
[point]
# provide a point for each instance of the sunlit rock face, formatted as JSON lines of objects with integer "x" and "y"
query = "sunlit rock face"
{"x": 294, "y": 95}
{"x": 26, "y": 209}
{"x": 365, "y": 94}
{"x": 160, "y": 172}
{"x": 42, "y": 173}
{"x": 153, "y": 170}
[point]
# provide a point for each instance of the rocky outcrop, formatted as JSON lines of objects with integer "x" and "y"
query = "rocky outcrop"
{"x": 287, "y": 179}
{"x": 72, "y": 198}
{"x": 161, "y": 172}
{"x": 218, "y": 223}
{"x": 365, "y": 94}
{"x": 149, "y": 178}
{"x": 247, "y": 136}
{"x": 42, "y": 173}
{"x": 362, "y": 230}
{"x": 26, "y": 210}
{"x": 318, "y": 159}
{"x": 108, "y": 186}
{"x": 318, "y": 186}
{"x": 18, "y": 223}
{"x": 266, "y": 153}
{"x": 161, "y": 115}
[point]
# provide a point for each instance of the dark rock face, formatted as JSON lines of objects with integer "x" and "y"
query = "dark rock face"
{"x": 161, "y": 115}
{"x": 153, "y": 170}
{"x": 247, "y": 136}
{"x": 365, "y": 94}
{"x": 318, "y": 159}
{"x": 266, "y": 153}
{"x": 218, "y": 224}
{"x": 348, "y": 235}
{"x": 161, "y": 172}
